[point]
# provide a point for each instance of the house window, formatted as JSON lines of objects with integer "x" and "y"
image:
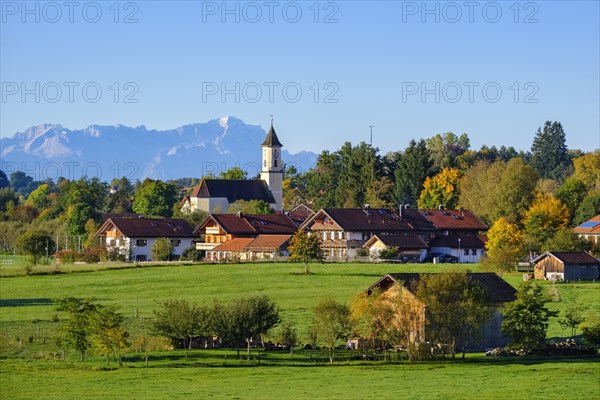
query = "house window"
{"x": 332, "y": 235}
{"x": 474, "y": 252}
{"x": 141, "y": 242}
{"x": 466, "y": 252}
{"x": 175, "y": 242}
{"x": 140, "y": 257}
{"x": 340, "y": 235}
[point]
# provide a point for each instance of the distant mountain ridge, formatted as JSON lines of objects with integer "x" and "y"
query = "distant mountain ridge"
{"x": 108, "y": 152}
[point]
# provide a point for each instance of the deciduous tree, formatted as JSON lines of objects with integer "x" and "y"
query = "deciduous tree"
{"x": 36, "y": 243}
{"x": 545, "y": 216}
{"x": 526, "y": 318}
{"x": 76, "y": 331}
{"x": 162, "y": 249}
{"x": 504, "y": 247}
{"x": 331, "y": 322}
{"x": 441, "y": 190}
{"x": 587, "y": 170}
{"x": 305, "y": 248}
{"x": 109, "y": 335}
{"x": 457, "y": 308}
{"x": 155, "y": 198}
{"x": 181, "y": 321}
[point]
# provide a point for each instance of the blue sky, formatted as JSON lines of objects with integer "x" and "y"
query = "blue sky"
{"x": 495, "y": 70}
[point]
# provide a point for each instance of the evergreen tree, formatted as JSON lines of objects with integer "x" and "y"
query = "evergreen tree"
{"x": 413, "y": 167}
{"x": 549, "y": 152}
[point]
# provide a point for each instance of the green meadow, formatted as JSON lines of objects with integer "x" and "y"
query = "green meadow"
{"x": 32, "y": 367}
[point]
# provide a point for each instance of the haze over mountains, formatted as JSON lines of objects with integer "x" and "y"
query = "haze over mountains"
{"x": 50, "y": 151}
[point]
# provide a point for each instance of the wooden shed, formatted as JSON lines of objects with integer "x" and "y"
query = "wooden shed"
{"x": 566, "y": 266}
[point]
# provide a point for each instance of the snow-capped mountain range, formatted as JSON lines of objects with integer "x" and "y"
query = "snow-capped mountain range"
{"x": 108, "y": 152}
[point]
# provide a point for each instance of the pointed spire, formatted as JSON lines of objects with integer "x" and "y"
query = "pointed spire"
{"x": 272, "y": 139}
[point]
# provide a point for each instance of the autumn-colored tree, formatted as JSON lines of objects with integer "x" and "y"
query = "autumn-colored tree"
{"x": 587, "y": 169}
{"x": 442, "y": 189}
{"x": 546, "y": 215}
{"x": 498, "y": 190}
{"x": 305, "y": 248}
{"x": 504, "y": 247}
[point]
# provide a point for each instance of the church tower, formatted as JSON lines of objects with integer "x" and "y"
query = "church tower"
{"x": 272, "y": 166}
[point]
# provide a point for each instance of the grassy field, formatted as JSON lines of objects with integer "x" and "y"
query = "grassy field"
{"x": 26, "y": 352}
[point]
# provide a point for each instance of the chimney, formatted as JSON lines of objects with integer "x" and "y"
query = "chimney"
{"x": 400, "y": 208}
{"x": 239, "y": 214}
{"x": 367, "y": 206}
{"x": 440, "y": 207}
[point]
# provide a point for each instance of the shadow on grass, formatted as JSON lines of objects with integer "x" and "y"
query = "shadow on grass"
{"x": 227, "y": 359}
{"x": 25, "y": 302}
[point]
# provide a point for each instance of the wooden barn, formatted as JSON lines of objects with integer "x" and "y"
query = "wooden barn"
{"x": 403, "y": 285}
{"x": 566, "y": 266}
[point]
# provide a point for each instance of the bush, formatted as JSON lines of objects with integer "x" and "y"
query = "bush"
{"x": 66, "y": 256}
{"x": 388, "y": 253}
{"x": 191, "y": 254}
{"x": 591, "y": 333}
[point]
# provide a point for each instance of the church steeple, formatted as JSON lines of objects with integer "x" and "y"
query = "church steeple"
{"x": 272, "y": 139}
{"x": 272, "y": 166}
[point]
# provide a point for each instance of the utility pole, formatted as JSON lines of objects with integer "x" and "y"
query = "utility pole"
{"x": 371, "y": 126}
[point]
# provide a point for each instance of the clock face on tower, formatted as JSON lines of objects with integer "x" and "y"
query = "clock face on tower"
{"x": 275, "y": 153}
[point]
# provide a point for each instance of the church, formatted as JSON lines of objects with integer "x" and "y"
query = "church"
{"x": 216, "y": 195}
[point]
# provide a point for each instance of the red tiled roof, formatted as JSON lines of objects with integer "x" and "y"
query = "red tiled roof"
{"x": 268, "y": 242}
{"x": 235, "y": 245}
{"x": 590, "y": 226}
{"x": 402, "y": 242}
{"x": 451, "y": 241}
{"x": 148, "y": 227}
{"x": 252, "y": 224}
{"x": 571, "y": 257}
{"x": 498, "y": 289}
{"x": 454, "y": 220}
{"x": 373, "y": 219}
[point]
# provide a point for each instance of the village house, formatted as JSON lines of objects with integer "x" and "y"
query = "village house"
{"x": 566, "y": 266}
{"x": 134, "y": 237}
{"x": 589, "y": 230}
{"x": 467, "y": 248}
{"x": 216, "y": 195}
{"x": 403, "y": 286}
{"x": 344, "y": 231}
{"x": 218, "y": 229}
{"x": 410, "y": 247}
{"x": 263, "y": 247}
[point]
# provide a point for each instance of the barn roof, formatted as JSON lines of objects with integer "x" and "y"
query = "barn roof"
{"x": 570, "y": 257}
{"x": 234, "y": 189}
{"x": 498, "y": 289}
{"x": 402, "y": 242}
{"x": 148, "y": 227}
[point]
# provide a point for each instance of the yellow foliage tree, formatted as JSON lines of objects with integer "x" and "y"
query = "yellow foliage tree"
{"x": 587, "y": 169}
{"x": 546, "y": 215}
{"x": 504, "y": 246}
{"x": 442, "y": 189}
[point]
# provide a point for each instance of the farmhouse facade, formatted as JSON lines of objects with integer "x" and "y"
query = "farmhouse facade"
{"x": 134, "y": 237}
{"x": 403, "y": 286}
{"x": 566, "y": 266}
{"x": 218, "y": 229}
{"x": 263, "y": 247}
